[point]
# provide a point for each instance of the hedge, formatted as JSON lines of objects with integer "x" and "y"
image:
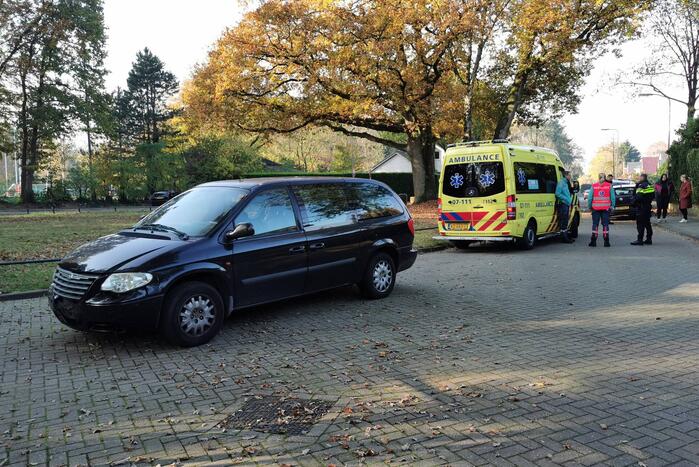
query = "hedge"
{"x": 401, "y": 183}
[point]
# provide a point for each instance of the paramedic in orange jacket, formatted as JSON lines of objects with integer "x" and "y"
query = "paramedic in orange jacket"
{"x": 601, "y": 201}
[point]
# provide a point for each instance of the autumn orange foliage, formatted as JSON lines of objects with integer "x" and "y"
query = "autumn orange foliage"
{"x": 367, "y": 68}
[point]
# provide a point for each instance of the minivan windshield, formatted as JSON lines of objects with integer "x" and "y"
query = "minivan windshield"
{"x": 195, "y": 212}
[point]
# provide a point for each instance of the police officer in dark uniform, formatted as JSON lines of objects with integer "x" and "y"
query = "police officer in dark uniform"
{"x": 643, "y": 200}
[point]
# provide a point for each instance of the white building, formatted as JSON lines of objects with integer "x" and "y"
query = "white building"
{"x": 399, "y": 162}
{"x": 633, "y": 168}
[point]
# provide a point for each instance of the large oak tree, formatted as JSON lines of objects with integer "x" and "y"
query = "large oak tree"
{"x": 368, "y": 67}
{"x": 360, "y": 68}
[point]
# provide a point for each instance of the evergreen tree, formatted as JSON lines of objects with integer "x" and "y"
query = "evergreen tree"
{"x": 629, "y": 152}
{"x": 149, "y": 88}
{"x": 563, "y": 144}
{"x": 91, "y": 101}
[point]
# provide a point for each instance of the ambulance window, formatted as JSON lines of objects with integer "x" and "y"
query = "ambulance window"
{"x": 535, "y": 178}
{"x": 549, "y": 174}
{"x": 527, "y": 178}
{"x": 473, "y": 180}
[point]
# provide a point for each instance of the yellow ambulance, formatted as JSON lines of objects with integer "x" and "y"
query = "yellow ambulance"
{"x": 497, "y": 191}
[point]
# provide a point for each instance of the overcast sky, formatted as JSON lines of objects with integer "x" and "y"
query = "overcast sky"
{"x": 181, "y": 32}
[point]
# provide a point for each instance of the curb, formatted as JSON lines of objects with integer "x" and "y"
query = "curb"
{"x": 432, "y": 249}
{"x": 7, "y": 297}
{"x": 679, "y": 234}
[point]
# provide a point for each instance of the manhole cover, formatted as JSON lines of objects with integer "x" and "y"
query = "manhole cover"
{"x": 272, "y": 414}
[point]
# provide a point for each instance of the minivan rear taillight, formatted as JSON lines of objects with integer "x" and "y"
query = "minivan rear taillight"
{"x": 411, "y": 226}
{"x": 511, "y": 208}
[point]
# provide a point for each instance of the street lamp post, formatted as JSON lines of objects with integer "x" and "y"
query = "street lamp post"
{"x": 614, "y": 144}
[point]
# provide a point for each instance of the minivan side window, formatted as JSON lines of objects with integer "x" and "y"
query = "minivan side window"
{"x": 269, "y": 212}
{"x": 372, "y": 201}
{"x": 535, "y": 178}
{"x": 323, "y": 206}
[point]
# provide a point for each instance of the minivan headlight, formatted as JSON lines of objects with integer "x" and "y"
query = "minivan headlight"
{"x": 124, "y": 281}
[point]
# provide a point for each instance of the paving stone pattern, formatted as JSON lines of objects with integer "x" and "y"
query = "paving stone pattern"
{"x": 563, "y": 355}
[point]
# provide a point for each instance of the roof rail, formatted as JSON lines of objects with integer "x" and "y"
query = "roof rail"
{"x": 477, "y": 143}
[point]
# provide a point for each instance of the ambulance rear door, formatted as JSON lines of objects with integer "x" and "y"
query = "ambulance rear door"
{"x": 474, "y": 195}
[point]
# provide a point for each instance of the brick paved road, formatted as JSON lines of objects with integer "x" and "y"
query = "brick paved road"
{"x": 561, "y": 355}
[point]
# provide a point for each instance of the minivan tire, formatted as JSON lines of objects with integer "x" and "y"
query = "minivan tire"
{"x": 200, "y": 305}
{"x": 379, "y": 277}
{"x": 528, "y": 239}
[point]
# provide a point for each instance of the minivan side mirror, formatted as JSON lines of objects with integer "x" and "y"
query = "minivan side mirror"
{"x": 240, "y": 230}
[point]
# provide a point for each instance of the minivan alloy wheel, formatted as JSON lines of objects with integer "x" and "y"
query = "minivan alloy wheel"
{"x": 383, "y": 276}
{"x": 197, "y": 315}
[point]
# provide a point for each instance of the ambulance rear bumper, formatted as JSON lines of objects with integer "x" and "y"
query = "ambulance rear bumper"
{"x": 475, "y": 239}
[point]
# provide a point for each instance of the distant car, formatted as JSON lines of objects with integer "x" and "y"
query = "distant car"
{"x": 624, "y": 191}
{"x": 161, "y": 197}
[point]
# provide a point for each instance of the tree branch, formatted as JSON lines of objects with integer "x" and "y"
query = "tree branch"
{"x": 655, "y": 89}
{"x": 364, "y": 135}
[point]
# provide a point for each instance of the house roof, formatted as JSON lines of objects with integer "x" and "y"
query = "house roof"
{"x": 396, "y": 153}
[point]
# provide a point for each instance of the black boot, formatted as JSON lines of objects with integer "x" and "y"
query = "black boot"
{"x": 638, "y": 242}
{"x": 565, "y": 238}
{"x": 606, "y": 241}
{"x": 593, "y": 240}
{"x": 649, "y": 241}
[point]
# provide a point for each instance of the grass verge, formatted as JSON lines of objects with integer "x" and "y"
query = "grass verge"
{"x": 25, "y": 277}
{"x": 48, "y": 235}
{"x": 423, "y": 238}
{"x": 44, "y": 235}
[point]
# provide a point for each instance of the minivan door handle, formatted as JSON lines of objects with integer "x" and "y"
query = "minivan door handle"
{"x": 317, "y": 246}
{"x": 297, "y": 249}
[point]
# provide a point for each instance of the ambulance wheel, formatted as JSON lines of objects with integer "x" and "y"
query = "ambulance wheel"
{"x": 574, "y": 226}
{"x": 462, "y": 244}
{"x": 528, "y": 239}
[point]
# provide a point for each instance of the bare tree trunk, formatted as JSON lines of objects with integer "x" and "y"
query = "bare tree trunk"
{"x": 468, "y": 118}
{"x": 691, "y": 106}
{"x": 470, "y": 82}
{"x": 514, "y": 100}
{"x": 88, "y": 131}
{"x": 421, "y": 152}
{"x": 26, "y": 177}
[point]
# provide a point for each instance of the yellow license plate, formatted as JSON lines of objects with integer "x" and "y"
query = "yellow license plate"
{"x": 459, "y": 227}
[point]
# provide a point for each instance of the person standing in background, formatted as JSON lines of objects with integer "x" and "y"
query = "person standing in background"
{"x": 643, "y": 200}
{"x": 685, "y": 197}
{"x": 601, "y": 201}
{"x": 664, "y": 190}
{"x": 563, "y": 199}
{"x": 610, "y": 180}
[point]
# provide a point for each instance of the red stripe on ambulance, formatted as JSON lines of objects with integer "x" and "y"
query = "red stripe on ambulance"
{"x": 490, "y": 221}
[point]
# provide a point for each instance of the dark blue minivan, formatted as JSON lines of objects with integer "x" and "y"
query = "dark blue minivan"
{"x": 224, "y": 246}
